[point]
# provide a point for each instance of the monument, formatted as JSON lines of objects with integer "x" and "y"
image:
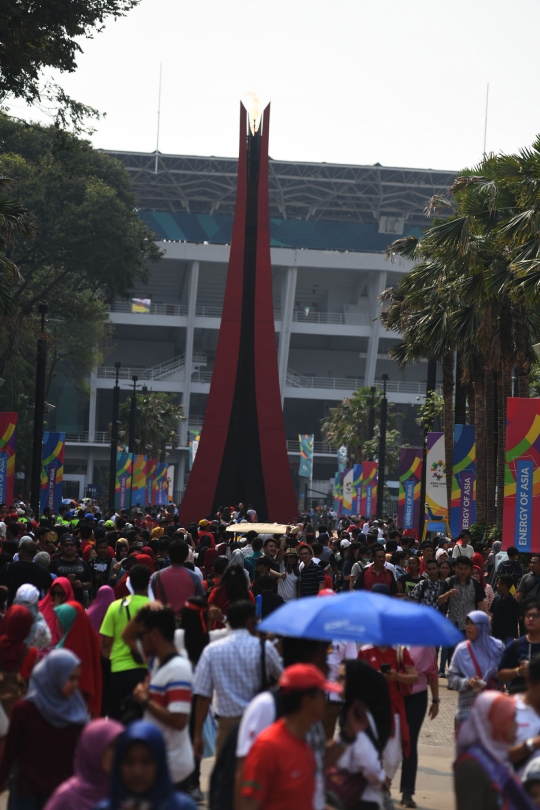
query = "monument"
{"x": 242, "y": 454}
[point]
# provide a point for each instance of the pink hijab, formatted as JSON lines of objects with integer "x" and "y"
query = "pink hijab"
{"x": 47, "y": 610}
{"x": 97, "y": 610}
{"x": 90, "y": 784}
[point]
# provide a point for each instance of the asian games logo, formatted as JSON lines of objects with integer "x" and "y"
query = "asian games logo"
{"x": 438, "y": 470}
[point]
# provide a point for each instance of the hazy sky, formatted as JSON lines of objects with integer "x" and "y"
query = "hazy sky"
{"x": 400, "y": 82}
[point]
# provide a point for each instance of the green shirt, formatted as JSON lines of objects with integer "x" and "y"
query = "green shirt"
{"x": 113, "y": 626}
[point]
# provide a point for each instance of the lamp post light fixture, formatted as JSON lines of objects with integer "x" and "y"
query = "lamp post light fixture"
{"x": 382, "y": 450}
{"x": 39, "y": 412}
{"x": 133, "y": 416}
{"x": 114, "y": 440}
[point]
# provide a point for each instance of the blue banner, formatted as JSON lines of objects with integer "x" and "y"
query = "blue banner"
{"x": 408, "y": 511}
{"x": 52, "y": 471}
{"x": 306, "y": 455}
{"x": 369, "y": 500}
{"x": 524, "y": 500}
{"x": 3, "y": 477}
{"x": 357, "y": 489}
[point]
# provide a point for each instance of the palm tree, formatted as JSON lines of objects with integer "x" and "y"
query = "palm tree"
{"x": 157, "y": 420}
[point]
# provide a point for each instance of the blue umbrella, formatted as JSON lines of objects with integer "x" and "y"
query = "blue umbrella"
{"x": 364, "y": 617}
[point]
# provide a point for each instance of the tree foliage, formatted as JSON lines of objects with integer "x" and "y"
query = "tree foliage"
{"x": 156, "y": 426}
{"x": 35, "y": 36}
{"x": 348, "y": 423}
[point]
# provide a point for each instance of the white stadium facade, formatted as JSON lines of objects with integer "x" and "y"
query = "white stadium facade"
{"x": 329, "y": 227}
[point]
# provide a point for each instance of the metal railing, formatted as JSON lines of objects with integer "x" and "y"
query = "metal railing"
{"x": 153, "y": 309}
{"x": 100, "y": 437}
{"x": 319, "y": 448}
{"x": 176, "y": 365}
{"x": 343, "y": 318}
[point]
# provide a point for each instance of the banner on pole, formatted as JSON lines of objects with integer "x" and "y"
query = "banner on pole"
{"x": 369, "y": 487}
{"x": 463, "y": 504}
{"x": 306, "y": 455}
{"x": 52, "y": 471}
{"x": 340, "y": 494}
{"x": 138, "y": 481}
{"x": 348, "y": 492}
{"x": 357, "y": 488}
{"x": 194, "y": 439}
{"x": 151, "y": 465}
{"x": 342, "y": 458}
{"x": 436, "y": 507}
{"x": 410, "y": 482}
{"x": 160, "y": 487}
{"x": 124, "y": 465}
{"x": 522, "y": 475}
{"x": 8, "y": 447}
{"x": 336, "y": 492}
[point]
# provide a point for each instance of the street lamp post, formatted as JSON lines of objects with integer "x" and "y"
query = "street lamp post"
{"x": 114, "y": 440}
{"x": 133, "y": 416}
{"x": 382, "y": 450}
{"x": 39, "y": 410}
{"x": 372, "y": 412}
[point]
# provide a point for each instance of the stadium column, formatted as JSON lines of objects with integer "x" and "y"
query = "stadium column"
{"x": 190, "y": 338}
{"x": 92, "y": 406}
{"x": 288, "y": 294}
{"x": 377, "y": 283}
{"x": 89, "y": 469}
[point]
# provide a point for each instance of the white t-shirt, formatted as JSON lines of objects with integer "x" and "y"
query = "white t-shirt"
{"x": 528, "y": 724}
{"x": 362, "y": 757}
{"x": 287, "y": 588}
{"x": 339, "y": 652}
{"x": 179, "y": 635}
{"x": 170, "y": 686}
{"x": 459, "y": 551}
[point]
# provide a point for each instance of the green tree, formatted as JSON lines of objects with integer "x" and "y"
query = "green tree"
{"x": 36, "y": 36}
{"x": 348, "y": 423}
{"x": 15, "y": 222}
{"x": 156, "y": 426}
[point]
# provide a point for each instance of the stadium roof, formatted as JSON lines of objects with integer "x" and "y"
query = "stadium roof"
{"x": 393, "y": 199}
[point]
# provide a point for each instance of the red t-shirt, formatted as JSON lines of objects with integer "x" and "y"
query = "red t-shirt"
{"x": 375, "y": 657}
{"x": 279, "y": 771}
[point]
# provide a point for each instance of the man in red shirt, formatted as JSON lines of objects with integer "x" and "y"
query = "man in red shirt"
{"x": 279, "y": 771}
{"x": 376, "y": 574}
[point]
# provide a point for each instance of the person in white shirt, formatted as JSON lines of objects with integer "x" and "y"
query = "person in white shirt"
{"x": 463, "y": 548}
{"x": 527, "y": 741}
{"x": 288, "y": 582}
{"x": 167, "y": 696}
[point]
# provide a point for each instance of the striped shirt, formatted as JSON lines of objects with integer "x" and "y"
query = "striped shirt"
{"x": 170, "y": 687}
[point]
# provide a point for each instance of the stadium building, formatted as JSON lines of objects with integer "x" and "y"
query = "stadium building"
{"x": 329, "y": 226}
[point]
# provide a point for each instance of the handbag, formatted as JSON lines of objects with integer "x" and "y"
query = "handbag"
{"x": 346, "y": 787}
{"x": 492, "y": 683}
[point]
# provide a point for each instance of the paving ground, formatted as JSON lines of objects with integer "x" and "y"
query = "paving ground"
{"x": 434, "y": 784}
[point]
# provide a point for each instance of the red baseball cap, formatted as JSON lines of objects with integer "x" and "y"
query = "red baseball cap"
{"x": 306, "y": 676}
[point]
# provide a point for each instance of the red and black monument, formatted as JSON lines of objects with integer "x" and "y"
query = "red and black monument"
{"x": 242, "y": 453}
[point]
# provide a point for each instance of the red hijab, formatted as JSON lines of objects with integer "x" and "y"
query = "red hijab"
{"x": 82, "y": 639}
{"x": 482, "y": 580}
{"x": 47, "y": 610}
{"x": 121, "y": 589}
{"x": 14, "y": 628}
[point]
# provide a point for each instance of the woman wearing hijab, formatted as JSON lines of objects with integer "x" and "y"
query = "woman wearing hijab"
{"x": 364, "y": 756}
{"x": 96, "y": 613}
{"x": 475, "y": 662}
{"x": 47, "y": 723}
{"x": 232, "y": 588}
{"x": 483, "y": 776}
{"x": 140, "y": 776}
{"x": 39, "y": 636}
{"x": 16, "y": 655}
{"x": 94, "y": 756}
{"x": 239, "y": 559}
{"x": 60, "y": 591}
{"x": 478, "y": 574}
{"x": 494, "y": 559}
{"x": 80, "y": 637}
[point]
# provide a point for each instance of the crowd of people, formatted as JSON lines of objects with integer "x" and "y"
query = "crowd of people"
{"x": 129, "y": 651}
